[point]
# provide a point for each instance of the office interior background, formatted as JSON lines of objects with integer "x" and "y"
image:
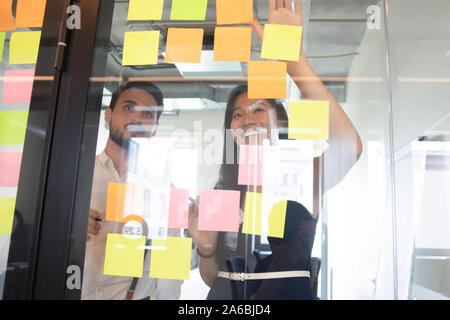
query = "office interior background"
{"x": 382, "y": 231}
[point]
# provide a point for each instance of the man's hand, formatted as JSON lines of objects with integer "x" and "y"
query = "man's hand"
{"x": 93, "y": 226}
{"x": 281, "y": 12}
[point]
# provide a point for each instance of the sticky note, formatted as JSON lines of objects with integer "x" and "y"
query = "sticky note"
{"x": 234, "y": 11}
{"x": 262, "y": 217}
{"x": 184, "y": 45}
{"x": 188, "y": 9}
{"x": 179, "y": 208}
{"x": 13, "y": 125}
{"x": 2, "y": 44}
{"x": 309, "y": 119}
{"x": 30, "y": 13}
{"x": 140, "y": 48}
{"x": 124, "y": 256}
{"x": 277, "y": 220}
{"x": 267, "y": 80}
{"x": 281, "y": 42}
{"x": 7, "y": 206}
{"x": 10, "y": 168}
{"x": 145, "y": 10}
{"x": 18, "y": 85}
{"x": 172, "y": 263}
{"x": 24, "y": 47}
{"x": 219, "y": 210}
{"x": 232, "y": 44}
{"x": 6, "y": 16}
{"x": 250, "y": 165}
{"x": 122, "y": 202}
{"x": 252, "y": 213}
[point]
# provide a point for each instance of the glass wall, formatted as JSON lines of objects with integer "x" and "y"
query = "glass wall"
{"x": 262, "y": 149}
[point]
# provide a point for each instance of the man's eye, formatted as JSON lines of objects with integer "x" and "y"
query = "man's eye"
{"x": 147, "y": 114}
{"x": 129, "y": 107}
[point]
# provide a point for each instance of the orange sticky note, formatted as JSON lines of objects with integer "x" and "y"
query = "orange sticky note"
{"x": 30, "y": 13}
{"x": 232, "y": 44}
{"x": 234, "y": 11}
{"x": 184, "y": 45}
{"x": 121, "y": 202}
{"x": 267, "y": 80}
{"x": 6, "y": 17}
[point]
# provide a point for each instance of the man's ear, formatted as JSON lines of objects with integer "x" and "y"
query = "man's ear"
{"x": 108, "y": 115}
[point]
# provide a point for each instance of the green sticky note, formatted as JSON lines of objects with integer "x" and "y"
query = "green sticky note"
{"x": 140, "y": 48}
{"x": 281, "y": 42}
{"x": 24, "y": 47}
{"x": 145, "y": 10}
{"x": 188, "y": 9}
{"x": 13, "y": 125}
{"x": 2, "y": 43}
{"x": 309, "y": 120}
{"x": 124, "y": 256}
{"x": 7, "y": 206}
{"x": 171, "y": 258}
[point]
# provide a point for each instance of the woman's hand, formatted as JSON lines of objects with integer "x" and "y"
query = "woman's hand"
{"x": 206, "y": 240}
{"x": 281, "y": 12}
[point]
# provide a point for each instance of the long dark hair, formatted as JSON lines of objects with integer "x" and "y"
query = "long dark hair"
{"x": 228, "y": 175}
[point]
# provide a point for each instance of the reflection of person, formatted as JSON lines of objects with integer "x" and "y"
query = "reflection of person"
{"x": 134, "y": 112}
{"x": 246, "y": 116}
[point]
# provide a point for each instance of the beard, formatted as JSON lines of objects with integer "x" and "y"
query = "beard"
{"x": 118, "y": 137}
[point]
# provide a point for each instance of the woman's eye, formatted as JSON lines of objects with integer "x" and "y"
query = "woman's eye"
{"x": 259, "y": 110}
{"x": 236, "y": 115}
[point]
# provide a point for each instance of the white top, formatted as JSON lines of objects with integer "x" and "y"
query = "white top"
{"x": 96, "y": 285}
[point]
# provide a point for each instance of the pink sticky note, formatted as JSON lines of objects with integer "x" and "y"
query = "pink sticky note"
{"x": 179, "y": 208}
{"x": 219, "y": 210}
{"x": 10, "y": 168}
{"x": 18, "y": 85}
{"x": 250, "y": 165}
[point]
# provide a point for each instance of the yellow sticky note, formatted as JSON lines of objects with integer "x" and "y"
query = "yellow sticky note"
{"x": 140, "y": 48}
{"x": 267, "y": 80}
{"x": 24, "y": 47}
{"x": 7, "y": 206}
{"x": 30, "y": 13}
{"x": 281, "y": 42}
{"x": 184, "y": 45}
{"x": 234, "y": 11}
{"x": 252, "y": 213}
{"x": 13, "y": 125}
{"x": 309, "y": 120}
{"x": 277, "y": 220}
{"x": 145, "y": 9}
{"x": 188, "y": 9}
{"x": 232, "y": 44}
{"x": 172, "y": 263}
{"x": 124, "y": 256}
{"x": 2, "y": 43}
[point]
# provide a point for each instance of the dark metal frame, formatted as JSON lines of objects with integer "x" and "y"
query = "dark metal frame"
{"x": 52, "y": 205}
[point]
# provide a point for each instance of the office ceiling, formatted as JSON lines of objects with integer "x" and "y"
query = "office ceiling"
{"x": 333, "y": 32}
